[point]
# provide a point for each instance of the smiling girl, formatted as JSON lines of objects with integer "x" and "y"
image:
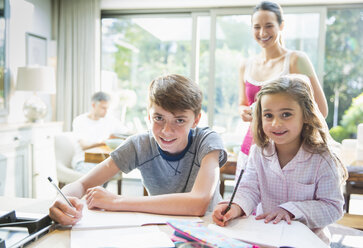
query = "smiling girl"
{"x": 291, "y": 171}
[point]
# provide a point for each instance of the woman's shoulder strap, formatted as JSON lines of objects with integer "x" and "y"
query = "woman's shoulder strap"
{"x": 286, "y": 68}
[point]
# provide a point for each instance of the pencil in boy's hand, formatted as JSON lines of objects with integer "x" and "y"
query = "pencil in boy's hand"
{"x": 60, "y": 192}
{"x": 234, "y": 192}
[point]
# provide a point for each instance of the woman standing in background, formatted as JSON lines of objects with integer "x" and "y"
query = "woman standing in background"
{"x": 274, "y": 61}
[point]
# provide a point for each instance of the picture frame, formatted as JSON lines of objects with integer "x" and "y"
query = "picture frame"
{"x": 36, "y": 50}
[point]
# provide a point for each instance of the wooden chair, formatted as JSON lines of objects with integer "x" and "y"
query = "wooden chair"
{"x": 65, "y": 147}
{"x": 354, "y": 184}
{"x": 352, "y": 220}
{"x": 227, "y": 172}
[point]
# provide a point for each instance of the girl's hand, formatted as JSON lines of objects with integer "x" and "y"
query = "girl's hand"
{"x": 64, "y": 214}
{"x": 246, "y": 113}
{"x": 98, "y": 197}
{"x": 220, "y": 219}
{"x": 277, "y": 215}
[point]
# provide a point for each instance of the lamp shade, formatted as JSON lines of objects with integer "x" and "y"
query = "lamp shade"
{"x": 36, "y": 78}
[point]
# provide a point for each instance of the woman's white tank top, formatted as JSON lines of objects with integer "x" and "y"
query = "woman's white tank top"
{"x": 285, "y": 71}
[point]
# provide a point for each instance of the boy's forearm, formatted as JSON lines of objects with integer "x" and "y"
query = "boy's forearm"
{"x": 75, "y": 189}
{"x": 172, "y": 204}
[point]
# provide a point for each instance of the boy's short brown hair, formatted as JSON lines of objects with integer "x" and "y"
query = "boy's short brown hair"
{"x": 175, "y": 93}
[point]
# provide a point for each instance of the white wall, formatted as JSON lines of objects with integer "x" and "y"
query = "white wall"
{"x": 32, "y": 16}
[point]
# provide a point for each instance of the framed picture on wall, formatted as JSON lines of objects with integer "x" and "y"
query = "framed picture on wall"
{"x": 36, "y": 50}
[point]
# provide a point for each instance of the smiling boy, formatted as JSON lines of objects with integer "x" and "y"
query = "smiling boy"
{"x": 179, "y": 162}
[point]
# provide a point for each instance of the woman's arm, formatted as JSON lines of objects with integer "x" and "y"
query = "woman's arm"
{"x": 193, "y": 203}
{"x": 243, "y": 108}
{"x": 300, "y": 64}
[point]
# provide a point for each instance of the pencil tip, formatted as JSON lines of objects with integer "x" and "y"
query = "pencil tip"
{"x": 50, "y": 179}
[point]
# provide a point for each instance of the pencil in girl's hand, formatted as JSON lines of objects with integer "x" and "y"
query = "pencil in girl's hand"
{"x": 234, "y": 192}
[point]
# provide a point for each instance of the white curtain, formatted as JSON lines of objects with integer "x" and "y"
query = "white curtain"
{"x": 77, "y": 57}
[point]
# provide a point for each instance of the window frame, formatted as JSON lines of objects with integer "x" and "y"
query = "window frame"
{"x": 213, "y": 13}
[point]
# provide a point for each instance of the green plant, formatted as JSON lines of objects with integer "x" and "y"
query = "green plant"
{"x": 353, "y": 115}
{"x": 339, "y": 133}
{"x": 350, "y": 120}
{"x": 343, "y": 67}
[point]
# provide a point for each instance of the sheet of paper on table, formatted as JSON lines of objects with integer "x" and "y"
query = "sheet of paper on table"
{"x": 257, "y": 232}
{"x": 95, "y": 219}
{"x": 136, "y": 237}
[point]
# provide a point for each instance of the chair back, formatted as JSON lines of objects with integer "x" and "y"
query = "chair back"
{"x": 65, "y": 145}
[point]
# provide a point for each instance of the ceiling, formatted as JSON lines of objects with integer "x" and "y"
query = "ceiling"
{"x": 162, "y": 4}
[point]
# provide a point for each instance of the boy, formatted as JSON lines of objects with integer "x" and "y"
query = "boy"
{"x": 178, "y": 161}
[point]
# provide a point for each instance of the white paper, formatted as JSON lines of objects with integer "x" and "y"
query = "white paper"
{"x": 94, "y": 219}
{"x": 138, "y": 237}
{"x": 274, "y": 235}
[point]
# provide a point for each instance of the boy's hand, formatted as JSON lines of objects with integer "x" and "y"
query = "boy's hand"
{"x": 220, "y": 219}
{"x": 276, "y": 215}
{"x": 98, "y": 197}
{"x": 64, "y": 214}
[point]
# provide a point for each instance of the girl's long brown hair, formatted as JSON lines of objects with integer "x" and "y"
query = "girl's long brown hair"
{"x": 315, "y": 133}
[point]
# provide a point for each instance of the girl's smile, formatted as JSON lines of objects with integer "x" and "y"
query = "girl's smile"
{"x": 279, "y": 133}
{"x": 282, "y": 120}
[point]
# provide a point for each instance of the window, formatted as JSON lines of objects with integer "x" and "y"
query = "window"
{"x": 209, "y": 47}
{"x": 234, "y": 42}
{"x": 135, "y": 50}
{"x": 343, "y": 65}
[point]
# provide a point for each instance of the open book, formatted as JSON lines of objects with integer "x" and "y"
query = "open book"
{"x": 257, "y": 232}
{"x": 121, "y": 229}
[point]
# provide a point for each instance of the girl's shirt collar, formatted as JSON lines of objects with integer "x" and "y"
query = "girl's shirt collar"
{"x": 301, "y": 156}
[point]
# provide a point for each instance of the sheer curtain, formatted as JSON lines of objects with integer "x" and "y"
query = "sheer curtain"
{"x": 78, "y": 57}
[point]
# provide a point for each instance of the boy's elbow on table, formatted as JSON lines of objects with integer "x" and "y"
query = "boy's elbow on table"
{"x": 198, "y": 211}
{"x": 199, "y": 205}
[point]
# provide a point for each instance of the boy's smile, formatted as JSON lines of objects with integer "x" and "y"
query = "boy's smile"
{"x": 171, "y": 130}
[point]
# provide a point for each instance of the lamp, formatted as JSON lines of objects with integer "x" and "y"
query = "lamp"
{"x": 36, "y": 79}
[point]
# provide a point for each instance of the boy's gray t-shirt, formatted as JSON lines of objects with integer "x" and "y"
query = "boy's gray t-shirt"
{"x": 162, "y": 176}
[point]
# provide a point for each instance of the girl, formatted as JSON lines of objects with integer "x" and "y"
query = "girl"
{"x": 291, "y": 170}
{"x": 274, "y": 60}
